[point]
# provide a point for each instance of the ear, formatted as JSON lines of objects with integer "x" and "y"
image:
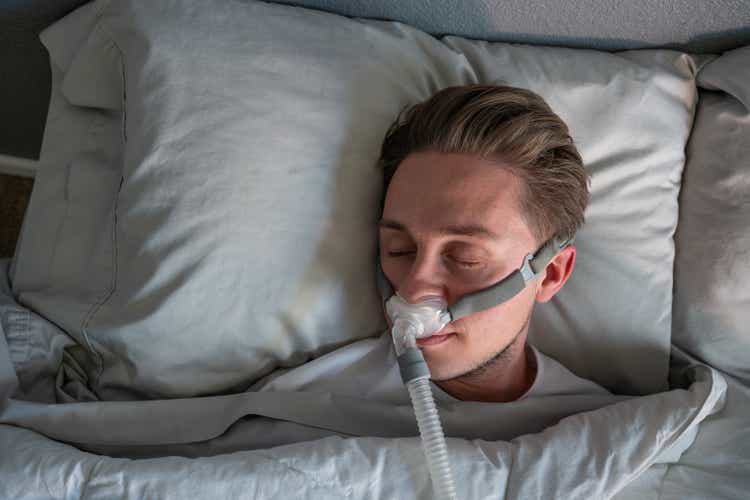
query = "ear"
{"x": 556, "y": 274}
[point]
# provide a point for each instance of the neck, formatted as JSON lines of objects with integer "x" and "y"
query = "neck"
{"x": 500, "y": 382}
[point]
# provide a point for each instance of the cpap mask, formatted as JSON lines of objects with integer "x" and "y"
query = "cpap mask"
{"x": 496, "y": 294}
{"x": 429, "y": 316}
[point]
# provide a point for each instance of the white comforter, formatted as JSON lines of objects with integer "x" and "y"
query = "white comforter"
{"x": 685, "y": 443}
{"x": 590, "y": 455}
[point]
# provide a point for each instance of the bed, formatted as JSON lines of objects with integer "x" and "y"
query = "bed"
{"x": 203, "y": 214}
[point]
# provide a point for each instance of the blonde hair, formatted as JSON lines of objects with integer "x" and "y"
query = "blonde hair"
{"x": 511, "y": 125}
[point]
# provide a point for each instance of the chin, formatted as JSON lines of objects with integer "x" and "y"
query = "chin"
{"x": 443, "y": 374}
{"x": 442, "y": 369}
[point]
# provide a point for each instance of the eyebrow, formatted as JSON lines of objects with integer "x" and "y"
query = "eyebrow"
{"x": 463, "y": 230}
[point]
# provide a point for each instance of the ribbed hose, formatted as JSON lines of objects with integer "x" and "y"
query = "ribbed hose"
{"x": 433, "y": 440}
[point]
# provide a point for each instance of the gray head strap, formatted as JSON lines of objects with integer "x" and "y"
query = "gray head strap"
{"x": 512, "y": 285}
{"x": 500, "y": 292}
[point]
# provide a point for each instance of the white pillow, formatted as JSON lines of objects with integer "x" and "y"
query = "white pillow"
{"x": 245, "y": 224}
{"x": 712, "y": 267}
{"x": 65, "y": 37}
{"x": 62, "y": 265}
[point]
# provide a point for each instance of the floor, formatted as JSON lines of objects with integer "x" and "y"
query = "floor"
{"x": 14, "y": 198}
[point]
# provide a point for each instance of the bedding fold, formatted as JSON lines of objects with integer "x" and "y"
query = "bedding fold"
{"x": 590, "y": 455}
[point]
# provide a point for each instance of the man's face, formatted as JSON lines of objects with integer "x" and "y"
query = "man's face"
{"x": 452, "y": 225}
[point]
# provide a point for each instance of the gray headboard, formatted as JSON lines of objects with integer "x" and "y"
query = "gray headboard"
{"x": 708, "y": 26}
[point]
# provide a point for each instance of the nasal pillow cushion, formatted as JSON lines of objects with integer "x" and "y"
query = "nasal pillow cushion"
{"x": 246, "y": 219}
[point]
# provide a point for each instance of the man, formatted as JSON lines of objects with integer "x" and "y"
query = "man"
{"x": 477, "y": 177}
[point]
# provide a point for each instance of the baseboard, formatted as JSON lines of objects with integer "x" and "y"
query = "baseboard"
{"x": 14, "y": 165}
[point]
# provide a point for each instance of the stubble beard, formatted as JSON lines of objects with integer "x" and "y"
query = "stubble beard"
{"x": 502, "y": 356}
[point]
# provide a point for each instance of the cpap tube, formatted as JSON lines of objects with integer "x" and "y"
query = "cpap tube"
{"x": 412, "y": 321}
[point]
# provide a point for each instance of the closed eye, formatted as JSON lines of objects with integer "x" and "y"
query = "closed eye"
{"x": 466, "y": 264}
{"x": 398, "y": 254}
{"x": 461, "y": 263}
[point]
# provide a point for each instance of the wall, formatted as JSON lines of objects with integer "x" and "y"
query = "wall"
{"x": 695, "y": 25}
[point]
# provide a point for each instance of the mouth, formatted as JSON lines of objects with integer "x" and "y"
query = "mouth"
{"x": 434, "y": 339}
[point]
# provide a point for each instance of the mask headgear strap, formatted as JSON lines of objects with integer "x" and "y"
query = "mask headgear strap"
{"x": 512, "y": 285}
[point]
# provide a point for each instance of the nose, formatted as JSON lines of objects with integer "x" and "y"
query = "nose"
{"x": 424, "y": 279}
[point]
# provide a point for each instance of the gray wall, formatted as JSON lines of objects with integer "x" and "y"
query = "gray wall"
{"x": 24, "y": 72}
{"x": 710, "y": 26}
